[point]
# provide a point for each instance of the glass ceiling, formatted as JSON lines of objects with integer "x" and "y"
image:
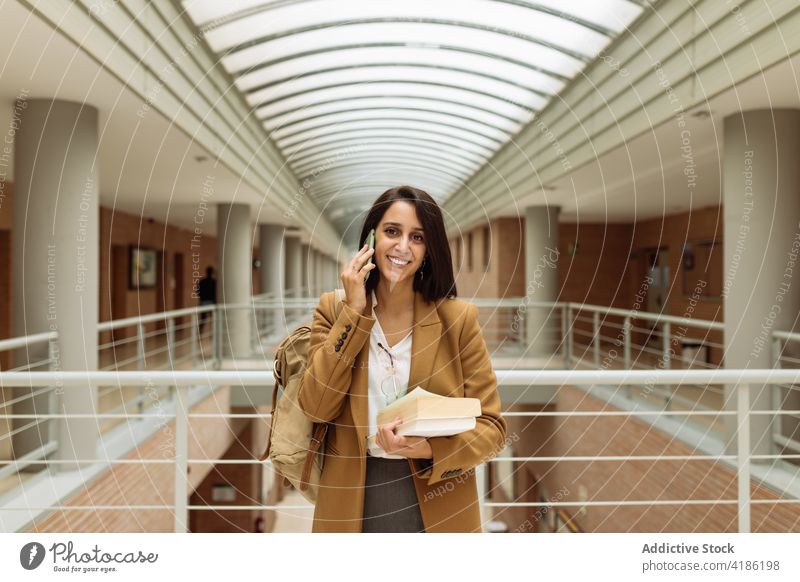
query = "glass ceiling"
{"x": 360, "y": 96}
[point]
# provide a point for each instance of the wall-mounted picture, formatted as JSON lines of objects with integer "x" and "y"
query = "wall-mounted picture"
{"x": 142, "y": 268}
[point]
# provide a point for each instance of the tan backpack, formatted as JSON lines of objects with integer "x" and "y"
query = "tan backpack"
{"x": 295, "y": 444}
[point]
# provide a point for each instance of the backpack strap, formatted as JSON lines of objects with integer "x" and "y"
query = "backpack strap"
{"x": 265, "y": 454}
{"x": 320, "y": 429}
{"x": 317, "y": 438}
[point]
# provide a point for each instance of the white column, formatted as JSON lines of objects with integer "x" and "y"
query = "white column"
{"x": 304, "y": 263}
{"x": 272, "y": 259}
{"x": 331, "y": 278}
{"x": 294, "y": 271}
{"x": 272, "y": 271}
{"x": 761, "y": 181}
{"x": 326, "y": 273}
{"x": 235, "y": 244}
{"x": 55, "y": 265}
{"x": 541, "y": 276}
{"x": 317, "y": 273}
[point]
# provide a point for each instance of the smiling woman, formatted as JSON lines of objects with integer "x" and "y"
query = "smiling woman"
{"x": 411, "y": 247}
{"x": 401, "y": 328}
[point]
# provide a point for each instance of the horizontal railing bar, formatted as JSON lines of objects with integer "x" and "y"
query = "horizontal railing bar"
{"x": 154, "y": 507}
{"x": 30, "y": 365}
{"x": 486, "y": 504}
{"x": 27, "y": 340}
{"x": 143, "y": 461}
{"x": 566, "y": 413}
{"x": 618, "y": 458}
{"x": 788, "y": 335}
{"x": 7, "y": 403}
{"x": 8, "y": 435}
{"x": 610, "y": 503}
{"x": 571, "y": 458}
{"x": 505, "y": 377}
{"x": 618, "y": 413}
{"x": 636, "y": 314}
{"x": 134, "y": 415}
{"x": 151, "y": 317}
{"x": 27, "y": 459}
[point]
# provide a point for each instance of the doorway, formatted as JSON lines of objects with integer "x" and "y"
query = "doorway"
{"x": 657, "y": 269}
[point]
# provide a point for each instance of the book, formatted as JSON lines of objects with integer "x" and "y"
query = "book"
{"x": 432, "y": 427}
{"x": 421, "y": 405}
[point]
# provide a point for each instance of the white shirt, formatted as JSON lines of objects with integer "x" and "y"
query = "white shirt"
{"x": 401, "y": 355}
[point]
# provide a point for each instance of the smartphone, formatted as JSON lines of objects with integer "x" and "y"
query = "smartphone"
{"x": 370, "y": 244}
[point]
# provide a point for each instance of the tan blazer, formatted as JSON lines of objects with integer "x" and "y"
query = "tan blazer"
{"x": 448, "y": 357}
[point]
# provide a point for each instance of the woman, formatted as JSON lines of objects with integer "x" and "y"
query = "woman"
{"x": 401, "y": 328}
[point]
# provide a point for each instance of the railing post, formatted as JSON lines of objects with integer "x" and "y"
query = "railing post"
{"x": 193, "y": 340}
{"x": 775, "y": 398}
{"x": 567, "y": 311}
{"x": 626, "y": 345}
{"x": 258, "y": 311}
{"x": 596, "y": 338}
{"x": 481, "y": 479}
{"x": 171, "y": 343}
{"x": 666, "y": 358}
{"x": 743, "y": 454}
{"x": 171, "y": 347}
{"x": 141, "y": 348}
{"x": 217, "y": 336}
{"x": 181, "y": 459}
{"x": 626, "y": 350}
{"x": 53, "y": 404}
{"x": 255, "y": 340}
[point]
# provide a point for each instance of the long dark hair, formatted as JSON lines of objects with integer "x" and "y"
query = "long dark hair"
{"x": 437, "y": 279}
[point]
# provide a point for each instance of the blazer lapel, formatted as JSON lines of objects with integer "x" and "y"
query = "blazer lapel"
{"x": 424, "y": 341}
{"x": 424, "y": 345}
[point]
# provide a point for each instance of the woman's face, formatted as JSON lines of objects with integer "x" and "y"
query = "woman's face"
{"x": 399, "y": 235}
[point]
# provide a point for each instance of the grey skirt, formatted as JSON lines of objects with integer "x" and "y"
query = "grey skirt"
{"x": 390, "y": 500}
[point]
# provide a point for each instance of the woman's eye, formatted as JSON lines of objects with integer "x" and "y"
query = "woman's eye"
{"x": 393, "y": 231}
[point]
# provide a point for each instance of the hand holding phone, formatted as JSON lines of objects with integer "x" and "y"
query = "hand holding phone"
{"x": 370, "y": 244}
{"x": 355, "y": 275}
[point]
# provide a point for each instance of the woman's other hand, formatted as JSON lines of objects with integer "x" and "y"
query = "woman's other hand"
{"x": 353, "y": 279}
{"x": 413, "y": 447}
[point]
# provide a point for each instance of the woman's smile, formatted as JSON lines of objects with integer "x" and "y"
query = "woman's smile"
{"x": 397, "y": 263}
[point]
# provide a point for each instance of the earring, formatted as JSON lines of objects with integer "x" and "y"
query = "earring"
{"x": 421, "y": 274}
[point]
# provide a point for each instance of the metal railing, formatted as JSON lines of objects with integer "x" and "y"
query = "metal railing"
{"x": 664, "y": 339}
{"x": 40, "y": 352}
{"x": 579, "y": 332}
{"x": 189, "y": 338}
{"x": 786, "y": 354}
{"x": 183, "y": 380}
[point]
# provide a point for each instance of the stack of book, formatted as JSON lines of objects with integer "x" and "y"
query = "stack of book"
{"x": 427, "y": 414}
